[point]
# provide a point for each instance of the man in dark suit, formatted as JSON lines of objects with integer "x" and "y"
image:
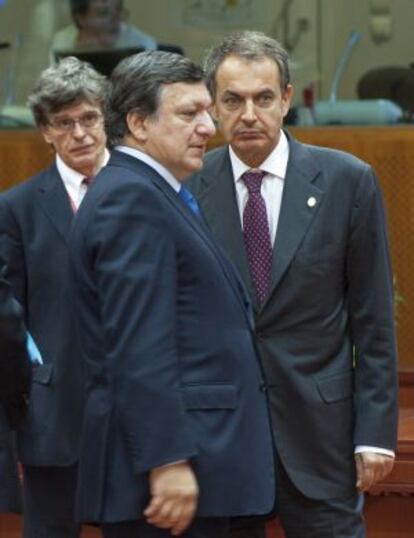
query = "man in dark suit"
{"x": 14, "y": 389}
{"x": 176, "y": 422}
{"x": 305, "y": 226}
{"x": 14, "y": 362}
{"x": 34, "y": 222}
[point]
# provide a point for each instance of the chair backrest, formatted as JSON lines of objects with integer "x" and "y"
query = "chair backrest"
{"x": 393, "y": 83}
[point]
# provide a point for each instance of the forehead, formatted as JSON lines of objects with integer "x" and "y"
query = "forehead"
{"x": 77, "y": 108}
{"x": 241, "y": 74}
{"x": 181, "y": 94}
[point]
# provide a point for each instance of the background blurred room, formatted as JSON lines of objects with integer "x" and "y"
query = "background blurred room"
{"x": 314, "y": 31}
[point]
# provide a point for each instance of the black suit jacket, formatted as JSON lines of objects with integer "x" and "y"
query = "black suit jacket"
{"x": 14, "y": 389}
{"x": 331, "y": 292}
{"x": 14, "y": 363}
{"x": 168, "y": 340}
{"x": 34, "y": 222}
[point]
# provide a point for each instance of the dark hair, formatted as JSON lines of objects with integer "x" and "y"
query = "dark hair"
{"x": 81, "y": 7}
{"x": 137, "y": 83}
{"x": 250, "y": 46}
{"x": 66, "y": 83}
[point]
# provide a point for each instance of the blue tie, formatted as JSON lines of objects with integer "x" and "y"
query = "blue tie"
{"x": 189, "y": 199}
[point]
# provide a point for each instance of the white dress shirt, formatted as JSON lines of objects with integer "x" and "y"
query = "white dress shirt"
{"x": 73, "y": 180}
{"x": 275, "y": 167}
{"x": 272, "y": 184}
{"x": 147, "y": 159}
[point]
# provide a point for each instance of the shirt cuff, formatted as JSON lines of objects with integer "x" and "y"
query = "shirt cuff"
{"x": 377, "y": 450}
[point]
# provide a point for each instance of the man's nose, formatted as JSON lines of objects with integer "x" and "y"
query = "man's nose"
{"x": 249, "y": 112}
{"x": 206, "y": 125}
{"x": 78, "y": 130}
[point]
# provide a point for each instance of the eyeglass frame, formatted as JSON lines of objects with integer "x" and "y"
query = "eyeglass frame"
{"x": 82, "y": 121}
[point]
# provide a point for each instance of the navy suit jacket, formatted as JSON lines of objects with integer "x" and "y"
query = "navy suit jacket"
{"x": 331, "y": 292}
{"x": 167, "y": 336}
{"x": 35, "y": 218}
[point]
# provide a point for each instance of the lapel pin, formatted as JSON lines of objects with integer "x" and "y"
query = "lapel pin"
{"x": 311, "y": 201}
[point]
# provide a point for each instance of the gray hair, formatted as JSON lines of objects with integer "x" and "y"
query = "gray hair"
{"x": 250, "y": 46}
{"x": 66, "y": 83}
{"x": 137, "y": 83}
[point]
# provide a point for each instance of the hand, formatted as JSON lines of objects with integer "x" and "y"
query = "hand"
{"x": 174, "y": 495}
{"x": 372, "y": 468}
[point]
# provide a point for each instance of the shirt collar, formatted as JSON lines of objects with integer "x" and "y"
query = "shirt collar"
{"x": 71, "y": 178}
{"x": 147, "y": 159}
{"x": 275, "y": 164}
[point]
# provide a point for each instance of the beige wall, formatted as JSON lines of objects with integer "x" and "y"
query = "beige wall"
{"x": 339, "y": 17}
{"x": 314, "y": 58}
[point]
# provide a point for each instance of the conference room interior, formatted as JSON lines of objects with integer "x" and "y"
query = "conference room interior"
{"x": 353, "y": 74}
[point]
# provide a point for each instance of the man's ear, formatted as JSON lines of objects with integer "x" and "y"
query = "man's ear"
{"x": 44, "y": 129}
{"x": 137, "y": 125}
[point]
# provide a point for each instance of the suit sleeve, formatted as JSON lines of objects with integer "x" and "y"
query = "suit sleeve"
{"x": 371, "y": 300}
{"x": 135, "y": 265}
{"x": 15, "y": 365}
{"x": 12, "y": 252}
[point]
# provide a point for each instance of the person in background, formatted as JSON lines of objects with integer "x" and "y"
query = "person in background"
{"x": 35, "y": 218}
{"x": 14, "y": 391}
{"x": 14, "y": 361}
{"x": 176, "y": 436}
{"x": 98, "y": 24}
{"x": 306, "y": 228}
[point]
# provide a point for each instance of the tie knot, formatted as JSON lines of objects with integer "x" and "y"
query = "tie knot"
{"x": 87, "y": 181}
{"x": 253, "y": 180}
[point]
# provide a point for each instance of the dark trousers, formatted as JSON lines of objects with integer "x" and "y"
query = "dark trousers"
{"x": 302, "y": 517}
{"x": 49, "y": 501}
{"x": 201, "y": 528}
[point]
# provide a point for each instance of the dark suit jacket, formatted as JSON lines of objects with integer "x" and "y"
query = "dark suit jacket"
{"x": 14, "y": 387}
{"x": 14, "y": 363}
{"x": 34, "y": 221}
{"x": 167, "y": 337}
{"x": 10, "y": 494}
{"x": 331, "y": 290}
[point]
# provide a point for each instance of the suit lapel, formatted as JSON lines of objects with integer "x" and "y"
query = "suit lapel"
{"x": 197, "y": 224}
{"x": 300, "y": 203}
{"x": 218, "y": 201}
{"x": 55, "y": 201}
{"x": 202, "y": 230}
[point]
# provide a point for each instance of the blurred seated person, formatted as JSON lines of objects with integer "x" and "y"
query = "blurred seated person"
{"x": 98, "y": 24}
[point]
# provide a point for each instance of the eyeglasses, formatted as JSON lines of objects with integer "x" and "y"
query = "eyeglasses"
{"x": 89, "y": 120}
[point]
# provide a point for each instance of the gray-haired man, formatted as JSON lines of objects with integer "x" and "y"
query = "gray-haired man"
{"x": 35, "y": 217}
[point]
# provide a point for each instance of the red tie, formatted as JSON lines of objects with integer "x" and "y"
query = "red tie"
{"x": 85, "y": 181}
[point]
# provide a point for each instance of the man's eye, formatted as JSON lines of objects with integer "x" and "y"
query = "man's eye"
{"x": 189, "y": 113}
{"x": 64, "y": 123}
{"x": 90, "y": 118}
{"x": 231, "y": 102}
{"x": 264, "y": 99}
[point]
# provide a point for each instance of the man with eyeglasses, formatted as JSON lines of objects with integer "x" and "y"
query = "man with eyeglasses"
{"x": 35, "y": 218}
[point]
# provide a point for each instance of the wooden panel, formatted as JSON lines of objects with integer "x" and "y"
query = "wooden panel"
{"x": 391, "y": 152}
{"x": 11, "y": 527}
{"x": 22, "y": 154}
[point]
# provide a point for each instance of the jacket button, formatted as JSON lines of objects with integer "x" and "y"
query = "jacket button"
{"x": 263, "y": 387}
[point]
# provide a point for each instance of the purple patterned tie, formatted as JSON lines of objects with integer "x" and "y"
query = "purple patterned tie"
{"x": 256, "y": 235}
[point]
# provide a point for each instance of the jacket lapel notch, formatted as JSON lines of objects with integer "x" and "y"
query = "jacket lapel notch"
{"x": 55, "y": 202}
